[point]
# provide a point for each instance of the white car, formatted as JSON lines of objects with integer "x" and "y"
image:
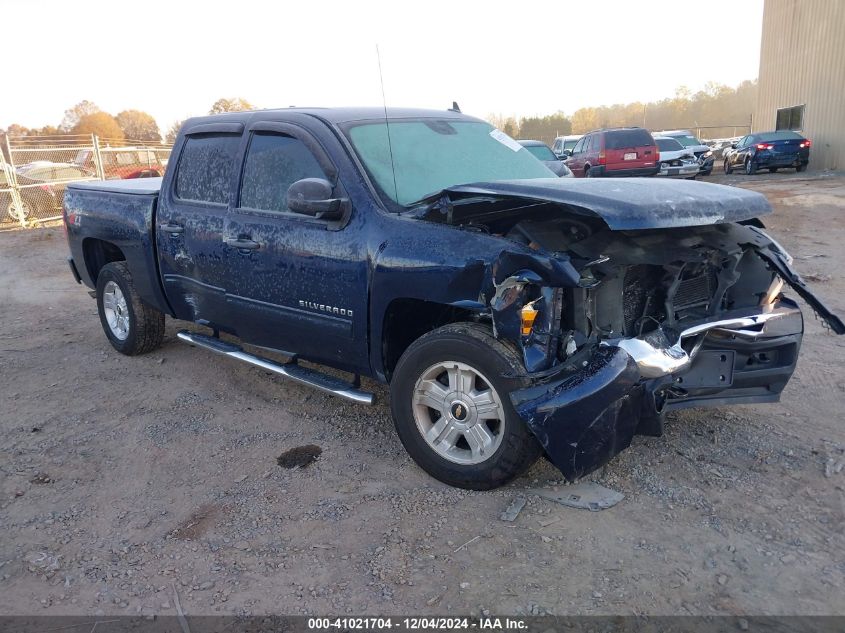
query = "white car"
{"x": 563, "y": 145}
{"x": 675, "y": 159}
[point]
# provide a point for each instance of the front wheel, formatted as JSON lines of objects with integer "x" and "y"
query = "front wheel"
{"x": 728, "y": 167}
{"x": 801, "y": 167}
{"x": 131, "y": 326}
{"x": 450, "y": 402}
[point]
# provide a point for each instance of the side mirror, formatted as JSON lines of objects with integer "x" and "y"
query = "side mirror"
{"x": 565, "y": 154}
{"x": 313, "y": 196}
{"x": 733, "y": 145}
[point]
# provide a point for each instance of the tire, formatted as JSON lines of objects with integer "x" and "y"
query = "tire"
{"x": 131, "y": 326}
{"x": 587, "y": 173}
{"x": 801, "y": 167}
{"x": 706, "y": 173}
{"x": 750, "y": 167}
{"x": 462, "y": 354}
{"x": 728, "y": 168}
{"x": 773, "y": 170}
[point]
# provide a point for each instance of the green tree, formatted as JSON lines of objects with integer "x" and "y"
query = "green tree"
{"x": 102, "y": 124}
{"x": 230, "y": 105}
{"x": 138, "y": 126}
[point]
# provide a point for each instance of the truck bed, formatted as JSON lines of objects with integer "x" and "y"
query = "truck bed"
{"x": 134, "y": 186}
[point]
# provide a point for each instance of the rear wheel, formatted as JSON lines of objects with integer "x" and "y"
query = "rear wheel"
{"x": 587, "y": 172}
{"x": 750, "y": 167}
{"x": 450, "y": 402}
{"x": 801, "y": 167}
{"x": 728, "y": 168}
{"x": 131, "y": 326}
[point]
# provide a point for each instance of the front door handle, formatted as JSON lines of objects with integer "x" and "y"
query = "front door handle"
{"x": 242, "y": 244}
{"x": 173, "y": 229}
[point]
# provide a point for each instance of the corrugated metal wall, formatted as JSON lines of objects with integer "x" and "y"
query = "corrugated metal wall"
{"x": 802, "y": 61}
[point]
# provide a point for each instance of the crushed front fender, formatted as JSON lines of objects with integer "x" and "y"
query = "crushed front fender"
{"x": 585, "y": 418}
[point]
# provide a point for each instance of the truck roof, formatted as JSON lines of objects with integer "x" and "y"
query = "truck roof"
{"x": 334, "y": 115}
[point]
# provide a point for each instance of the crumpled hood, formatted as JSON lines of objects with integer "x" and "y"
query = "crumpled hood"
{"x": 629, "y": 203}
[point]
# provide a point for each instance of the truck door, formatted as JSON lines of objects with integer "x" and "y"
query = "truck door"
{"x": 190, "y": 223}
{"x": 301, "y": 283}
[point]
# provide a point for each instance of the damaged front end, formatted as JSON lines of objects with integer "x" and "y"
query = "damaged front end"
{"x": 617, "y": 327}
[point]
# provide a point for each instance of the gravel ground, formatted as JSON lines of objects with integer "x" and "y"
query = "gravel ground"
{"x": 124, "y": 479}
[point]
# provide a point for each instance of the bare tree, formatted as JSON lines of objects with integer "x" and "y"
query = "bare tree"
{"x": 74, "y": 114}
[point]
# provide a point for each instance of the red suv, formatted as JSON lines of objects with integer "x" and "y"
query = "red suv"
{"x": 620, "y": 151}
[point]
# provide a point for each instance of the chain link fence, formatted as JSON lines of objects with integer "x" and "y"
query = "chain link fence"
{"x": 39, "y": 169}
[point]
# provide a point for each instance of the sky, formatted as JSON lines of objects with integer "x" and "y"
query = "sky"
{"x": 174, "y": 58}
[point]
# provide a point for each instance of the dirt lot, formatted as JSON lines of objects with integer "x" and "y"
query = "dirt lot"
{"x": 122, "y": 477}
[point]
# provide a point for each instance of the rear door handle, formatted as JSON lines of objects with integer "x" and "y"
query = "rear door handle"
{"x": 173, "y": 229}
{"x": 242, "y": 244}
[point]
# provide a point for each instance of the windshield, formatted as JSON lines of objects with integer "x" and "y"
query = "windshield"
{"x": 687, "y": 140}
{"x": 541, "y": 151}
{"x": 430, "y": 155}
{"x": 571, "y": 144}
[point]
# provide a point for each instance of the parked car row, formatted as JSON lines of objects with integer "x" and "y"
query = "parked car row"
{"x": 634, "y": 151}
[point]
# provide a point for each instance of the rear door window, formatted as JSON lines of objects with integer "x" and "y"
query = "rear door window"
{"x": 623, "y": 139}
{"x": 273, "y": 163}
{"x": 206, "y": 167}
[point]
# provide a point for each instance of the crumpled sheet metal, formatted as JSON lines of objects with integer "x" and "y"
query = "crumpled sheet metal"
{"x": 586, "y": 495}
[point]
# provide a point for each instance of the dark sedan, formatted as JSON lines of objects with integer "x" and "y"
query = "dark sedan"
{"x": 543, "y": 152}
{"x": 768, "y": 150}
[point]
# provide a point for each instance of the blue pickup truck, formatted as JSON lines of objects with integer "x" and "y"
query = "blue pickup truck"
{"x": 513, "y": 313}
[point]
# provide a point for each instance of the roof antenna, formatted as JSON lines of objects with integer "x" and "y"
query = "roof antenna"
{"x": 387, "y": 125}
{"x": 455, "y": 107}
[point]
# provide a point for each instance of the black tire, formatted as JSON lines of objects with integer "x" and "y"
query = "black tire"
{"x": 145, "y": 330}
{"x": 773, "y": 170}
{"x": 728, "y": 167}
{"x": 707, "y": 173}
{"x": 750, "y": 167}
{"x": 474, "y": 345}
{"x": 801, "y": 167}
{"x": 587, "y": 172}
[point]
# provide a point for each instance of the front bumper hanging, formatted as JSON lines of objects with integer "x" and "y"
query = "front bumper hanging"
{"x": 586, "y": 416}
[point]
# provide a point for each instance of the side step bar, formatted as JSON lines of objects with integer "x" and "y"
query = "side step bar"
{"x": 292, "y": 370}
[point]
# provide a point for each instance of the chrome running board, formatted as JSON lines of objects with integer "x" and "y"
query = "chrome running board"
{"x": 292, "y": 370}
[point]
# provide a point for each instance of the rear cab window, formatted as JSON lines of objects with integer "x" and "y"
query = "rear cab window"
{"x": 206, "y": 167}
{"x": 623, "y": 139}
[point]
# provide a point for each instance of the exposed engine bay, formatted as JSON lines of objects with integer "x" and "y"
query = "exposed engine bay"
{"x": 619, "y": 325}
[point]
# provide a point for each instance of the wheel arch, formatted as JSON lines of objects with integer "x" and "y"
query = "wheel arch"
{"x": 407, "y": 319}
{"x": 97, "y": 253}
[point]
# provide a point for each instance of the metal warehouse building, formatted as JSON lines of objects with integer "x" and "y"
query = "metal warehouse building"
{"x": 802, "y": 75}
